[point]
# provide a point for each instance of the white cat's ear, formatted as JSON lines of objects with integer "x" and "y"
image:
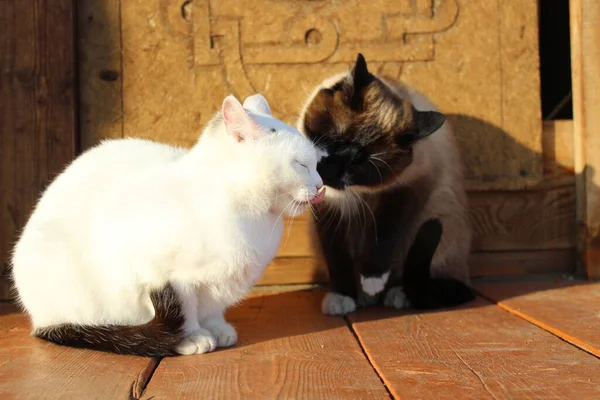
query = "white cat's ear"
{"x": 258, "y": 104}
{"x": 237, "y": 121}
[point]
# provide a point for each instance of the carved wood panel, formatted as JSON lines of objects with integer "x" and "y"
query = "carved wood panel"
{"x": 478, "y": 60}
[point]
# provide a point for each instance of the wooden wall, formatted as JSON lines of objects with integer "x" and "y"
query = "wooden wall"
{"x": 585, "y": 61}
{"x": 37, "y": 107}
{"x": 160, "y": 69}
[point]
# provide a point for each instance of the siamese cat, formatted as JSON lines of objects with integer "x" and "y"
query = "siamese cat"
{"x": 390, "y": 163}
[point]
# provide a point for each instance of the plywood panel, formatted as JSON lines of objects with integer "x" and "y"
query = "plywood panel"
{"x": 35, "y": 369}
{"x": 585, "y": 63}
{"x": 287, "y": 349}
{"x": 477, "y": 352}
{"x": 570, "y": 309}
{"x": 286, "y": 270}
{"x": 180, "y": 60}
{"x": 37, "y": 107}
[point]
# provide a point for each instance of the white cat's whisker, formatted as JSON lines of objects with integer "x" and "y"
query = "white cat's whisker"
{"x": 279, "y": 216}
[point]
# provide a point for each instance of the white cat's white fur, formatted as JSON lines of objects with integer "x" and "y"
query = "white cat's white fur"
{"x": 132, "y": 215}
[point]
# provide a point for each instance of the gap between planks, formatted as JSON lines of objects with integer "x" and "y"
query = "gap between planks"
{"x": 366, "y": 355}
{"x": 143, "y": 379}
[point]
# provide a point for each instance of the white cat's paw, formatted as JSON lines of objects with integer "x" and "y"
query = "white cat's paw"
{"x": 374, "y": 284}
{"x": 198, "y": 342}
{"x": 396, "y": 298}
{"x": 337, "y": 304}
{"x": 224, "y": 333}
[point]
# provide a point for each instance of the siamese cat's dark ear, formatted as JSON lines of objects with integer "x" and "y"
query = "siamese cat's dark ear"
{"x": 361, "y": 76}
{"x": 426, "y": 123}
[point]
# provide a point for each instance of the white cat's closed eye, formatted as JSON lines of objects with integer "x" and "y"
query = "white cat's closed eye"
{"x": 302, "y": 165}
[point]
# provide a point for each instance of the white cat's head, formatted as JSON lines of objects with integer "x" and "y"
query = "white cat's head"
{"x": 280, "y": 160}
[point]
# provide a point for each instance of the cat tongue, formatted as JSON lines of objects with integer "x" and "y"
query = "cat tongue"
{"x": 319, "y": 197}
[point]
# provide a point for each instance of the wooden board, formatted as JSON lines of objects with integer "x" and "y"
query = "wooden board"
{"x": 179, "y": 60}
{"x": 287, "y": 349}
{"x": 476, "y": 352}
{"x": 585, "y": 66}
{"x": 35, "y": 369}
{"x": 37, "y": 106}
{"x": 570, "y": 310}
{"x": 296, "y": 270}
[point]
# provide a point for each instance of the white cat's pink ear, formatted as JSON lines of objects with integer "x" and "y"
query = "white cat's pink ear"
{"x": 258, "y": 104}
{"x": 237, "y": 121}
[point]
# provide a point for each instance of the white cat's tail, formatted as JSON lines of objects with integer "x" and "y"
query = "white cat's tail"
{"x": 156, "y": 338}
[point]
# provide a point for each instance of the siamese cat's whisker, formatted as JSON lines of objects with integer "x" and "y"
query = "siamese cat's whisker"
{"x": 383, "y": 162}
{"x": 388, "y": 152}
{"x": 363, "y": 213}
{"x": 377, "y": 169}
{"x": 312, "y": 211}
{"x": 370, "y": 211}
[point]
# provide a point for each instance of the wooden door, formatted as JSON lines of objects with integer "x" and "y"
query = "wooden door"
{"x": 38, "y": 105}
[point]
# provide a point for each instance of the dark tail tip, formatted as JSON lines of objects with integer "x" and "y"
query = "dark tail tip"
{"x": 422, "y": 291}
{"x": 438, "y": 293}
{"x": 156, "y": 338}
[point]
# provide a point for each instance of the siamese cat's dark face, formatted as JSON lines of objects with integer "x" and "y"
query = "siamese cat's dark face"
{"x": 365, "y": 130}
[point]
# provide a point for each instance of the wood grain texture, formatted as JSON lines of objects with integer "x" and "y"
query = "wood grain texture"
{"x": 37, "y": 106}
{"x": 570, "y": 310}
{"x": 35, "y": 369}
{"x": 287, "y": 349}
{"x": 585, "y": 70}
{"x": 478, "y": 351}
{"x": 303, "y": 270}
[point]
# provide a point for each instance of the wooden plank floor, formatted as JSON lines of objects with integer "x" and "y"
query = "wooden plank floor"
{"x": 519, "y": 340}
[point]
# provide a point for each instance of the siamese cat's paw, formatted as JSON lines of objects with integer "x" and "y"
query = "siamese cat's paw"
{"x": 198, "y": 342}
{"x": 337, "y": 304}
{"x": 396, "y": 298}
{"x": 224, "y": 333}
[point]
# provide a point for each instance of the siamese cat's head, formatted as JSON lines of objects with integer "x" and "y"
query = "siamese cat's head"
{"x": 274, "y": 159}
{"x": 365, "y": 130}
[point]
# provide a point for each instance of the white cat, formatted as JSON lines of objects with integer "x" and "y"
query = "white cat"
{"x": 139, "y": 247}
